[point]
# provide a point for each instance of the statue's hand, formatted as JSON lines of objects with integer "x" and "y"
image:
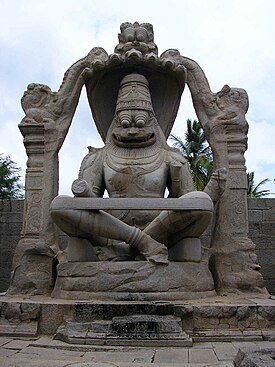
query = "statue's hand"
{"x": 80, "y": 188}
{"x": 216, "y": 184}
{"x": 220, "y": 175}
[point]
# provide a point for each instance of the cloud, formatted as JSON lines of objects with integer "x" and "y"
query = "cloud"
{"x": 233, "y": 41}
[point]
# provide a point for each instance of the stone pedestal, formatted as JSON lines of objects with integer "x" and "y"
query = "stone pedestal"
{"x": 133, "y": 280}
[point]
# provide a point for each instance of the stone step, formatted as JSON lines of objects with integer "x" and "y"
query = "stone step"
{"x": 20, "y": 329}
{"x": 137, "y": 330}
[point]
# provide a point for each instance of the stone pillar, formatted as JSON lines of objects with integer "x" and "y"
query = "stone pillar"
{"x": 33, "y": 259}
{"x": 233, "y": 261}
{"x": 45, "y": 126}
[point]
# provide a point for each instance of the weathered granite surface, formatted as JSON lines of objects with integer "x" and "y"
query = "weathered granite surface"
{"x": 138, "y": 280}
{"x": 161, "y": 80}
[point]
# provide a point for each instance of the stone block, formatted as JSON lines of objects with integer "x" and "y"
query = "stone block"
{"x": 146, "y": 324}
{"x": 11, "y": 217}
{"x": 245, "y": 312}
{"x": 52, "y": 315}
{"x": 269, "y": 215}
{"x": 229, "y": 310}
{"x": 9, "y": 241}
{"x": 29, "y": 311}
{"x": 201, "y": 202}
{"x": 10, "y": 228}
{"x": 266, "y": 257}
{"x": 185, "y": 311}
{"x": 263, "y": 241}
{"x": 4, "y": 283}
{"x": 86, "y": 312}
{"x": 260, "y": 203}
{"x": 268, "y": 227}
{"x": 208, "y": 311}
{"x": 11, "y": 310}
{"x": 268, "y": 271}
{"x": 135, "y": 280}
{"x": 5, "y": 206}
{"x": 6, "y": 261}
{"x": 251, "y": 357}
{"x": 17, "y": 205}
{"x": 270, "y": 285}
{"x": 255, "y": 229}
{"x": 255, "y": 215}
{"x": 267, "y": 312}
{"x": 269, "y": 335}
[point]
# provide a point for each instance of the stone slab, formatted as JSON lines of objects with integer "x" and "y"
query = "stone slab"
{"x": 141, "y": 355}
{"x": 28, "y": 329}
{"x": 177, "y": 355}
{"x": 17, "y": 344}
{"x": 65, "y": 202}
{"x": 225, "y": 352}
{"x": 49, "y": 353}
{"x": 135, "y": 330}
{"x": 133, "y": 280}
{"x": 202, "y": 356}
{"x": 225, "y": 335}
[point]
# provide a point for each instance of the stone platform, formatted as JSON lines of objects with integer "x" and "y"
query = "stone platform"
{"x": 227, "y": 318}
{"x": 133, "y": 281}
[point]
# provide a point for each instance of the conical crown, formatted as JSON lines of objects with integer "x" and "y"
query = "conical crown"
{"x": 134, "y": 93}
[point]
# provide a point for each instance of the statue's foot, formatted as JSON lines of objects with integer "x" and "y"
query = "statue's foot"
{"x": 152, "y": 250}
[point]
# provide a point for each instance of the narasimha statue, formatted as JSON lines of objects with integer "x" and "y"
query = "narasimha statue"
{"x": 136, "y": 162}
{"x": 143, "y": 240}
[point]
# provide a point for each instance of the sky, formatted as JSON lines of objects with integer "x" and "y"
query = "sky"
{"x": 232, "y": 40}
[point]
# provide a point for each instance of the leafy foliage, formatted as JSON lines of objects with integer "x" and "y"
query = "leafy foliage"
{"x": 10, "y": 187}
{"x": 197, "y": 152}
{"x": 253, "y": 189}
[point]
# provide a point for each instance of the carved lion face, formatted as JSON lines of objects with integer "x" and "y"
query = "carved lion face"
{"x": 133, "y": 129}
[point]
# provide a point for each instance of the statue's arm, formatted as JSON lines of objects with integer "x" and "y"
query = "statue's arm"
{"x": 216, "y": 185}
{"x": 90, "y": 182}
{"x": 180, "y": 178}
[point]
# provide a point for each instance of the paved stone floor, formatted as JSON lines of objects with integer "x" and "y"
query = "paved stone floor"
{"x": 46, "y": 352}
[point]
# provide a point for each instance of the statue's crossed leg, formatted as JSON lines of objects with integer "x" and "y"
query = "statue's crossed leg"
{"x": 153, "y": 242}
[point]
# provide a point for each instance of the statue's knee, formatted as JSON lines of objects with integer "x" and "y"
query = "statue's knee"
{"x": 188, "y": 249}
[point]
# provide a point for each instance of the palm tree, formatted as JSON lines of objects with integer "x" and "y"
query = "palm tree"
{"x": 253, "y": 190}
{"x": 197, "y": 152}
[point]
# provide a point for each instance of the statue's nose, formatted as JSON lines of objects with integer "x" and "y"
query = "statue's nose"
{"x": 132, "y": 131}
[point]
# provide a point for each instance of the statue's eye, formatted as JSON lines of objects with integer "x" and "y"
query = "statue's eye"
{"x": 125, "y": 119}
{"x": 125, "y": 123}
{"x": 141, "y": 118}
{"x": 140, "y": 121}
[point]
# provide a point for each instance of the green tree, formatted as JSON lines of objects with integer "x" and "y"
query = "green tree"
{"x": 10, "y": 187}
{"x": 253, "y": 189}
{"x": 197, "y": 152}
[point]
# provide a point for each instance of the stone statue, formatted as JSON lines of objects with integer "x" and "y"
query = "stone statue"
{"x": 120, "y": 247}
{"x": 136, "y": 162}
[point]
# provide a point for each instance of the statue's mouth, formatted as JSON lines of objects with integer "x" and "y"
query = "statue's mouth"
{"x": 137, "y": 141}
